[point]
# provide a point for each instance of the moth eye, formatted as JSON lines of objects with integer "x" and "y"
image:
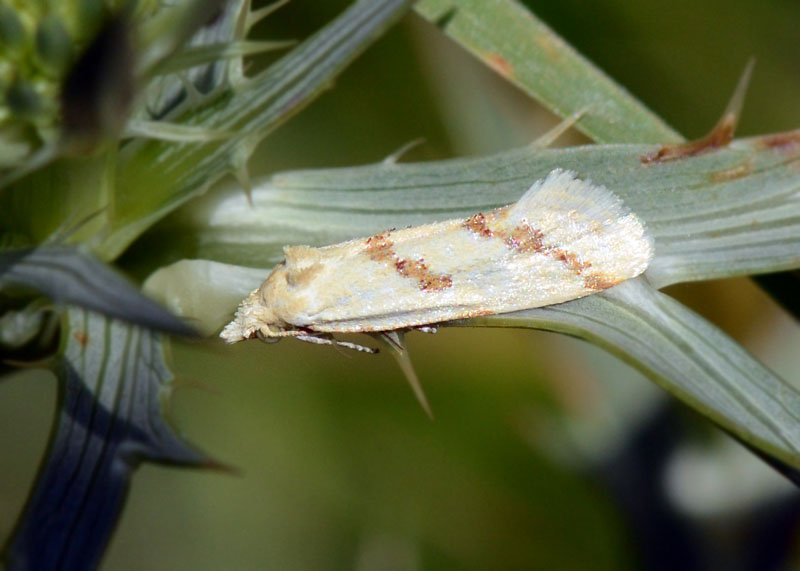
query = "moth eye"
{"x": 267, "y": 339}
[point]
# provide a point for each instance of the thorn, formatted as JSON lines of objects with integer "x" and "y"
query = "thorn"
{"x": 730, "y": 118}
{"x": 563, "y": 126}
{"x": 217, "y": 466}
{"x": 256, "y": 16}
{"x": 719, "y": 136}
{"x": 395, "y": 340}
{"x": 239, "y": 160}
{"x": 395, "y": 156}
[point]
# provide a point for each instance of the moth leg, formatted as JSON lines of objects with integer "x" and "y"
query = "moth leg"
{"x": 328, "y": 341}
{"x": 426, "y": 328}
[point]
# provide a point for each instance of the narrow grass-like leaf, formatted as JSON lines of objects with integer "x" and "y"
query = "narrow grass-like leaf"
{"x": 733, "y": 211}
{"x": 164, "y": 131}
{"x": 69, "y": 276}
{"x": 113, "y": 378}
{"x": 172, "y": 25}
{"x": 519, "y": 46}
{"x": 164, "y": 92}
{"x": 202, "y": 55}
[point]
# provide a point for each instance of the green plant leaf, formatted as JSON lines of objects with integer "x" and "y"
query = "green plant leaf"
{"x": 519, "y": 46}
{"x": 733, "y": 211}
{"x": 67, "y": 275}
{"x": 113, "y": 380}
{"x": 210, "y": 53}
{"x": 163, "y": 92}
{"x": 157, "y": 177}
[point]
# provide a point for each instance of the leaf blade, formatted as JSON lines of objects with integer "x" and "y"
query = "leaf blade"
{"x": 524, "y": 50}
{"x": 112, "y": 377}
{"x": 69, "y": 276}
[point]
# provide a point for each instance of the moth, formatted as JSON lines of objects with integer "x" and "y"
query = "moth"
{"x": 565, "y": 238}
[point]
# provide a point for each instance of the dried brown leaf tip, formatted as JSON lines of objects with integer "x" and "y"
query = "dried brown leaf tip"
{"x": 720, "y": 135}
{"x": 788, "y": 142}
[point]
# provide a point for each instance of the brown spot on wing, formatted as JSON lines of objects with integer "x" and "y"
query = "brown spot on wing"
{"x": 599, "y": 281}
{"x": 81, "y": 337}
{"x": 478, "y": 225}
{"x": 379, "y": 249}
{"x": 527, "y": 239}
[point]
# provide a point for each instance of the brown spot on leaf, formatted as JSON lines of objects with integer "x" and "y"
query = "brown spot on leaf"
{"x": 786, "y": 142}
{"x": 732, "y": 173}
{"x": 719, "y": 137}
{"x": 499, "y": 64}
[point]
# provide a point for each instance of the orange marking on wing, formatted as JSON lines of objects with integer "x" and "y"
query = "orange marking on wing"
{"x": 379, "y": 249}
{"x": 599, "y": 282}
{"x": 525, "y": 238}
{"x": 528, "y": 239}
{"x": 81, "y": 337}
{"x": 479, "y": 225}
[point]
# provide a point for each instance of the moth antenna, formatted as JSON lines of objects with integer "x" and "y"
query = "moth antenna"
{"x": 553, "y": 134}
{"x": 356, "y": 347}
{"x": 396, "y": 341}
{"x": 314, "y": 339}
{"x": 318, "y": 340}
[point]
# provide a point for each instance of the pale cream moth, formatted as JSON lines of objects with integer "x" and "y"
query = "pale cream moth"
{"x": 565, "y": 238}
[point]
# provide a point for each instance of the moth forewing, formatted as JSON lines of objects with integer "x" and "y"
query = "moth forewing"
{"x": 565, "y": 238}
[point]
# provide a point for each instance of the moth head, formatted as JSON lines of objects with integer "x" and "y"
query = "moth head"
{"x": 254, "y": 318}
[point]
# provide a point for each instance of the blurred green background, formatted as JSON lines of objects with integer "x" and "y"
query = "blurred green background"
{"x": 337, "y": 467}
